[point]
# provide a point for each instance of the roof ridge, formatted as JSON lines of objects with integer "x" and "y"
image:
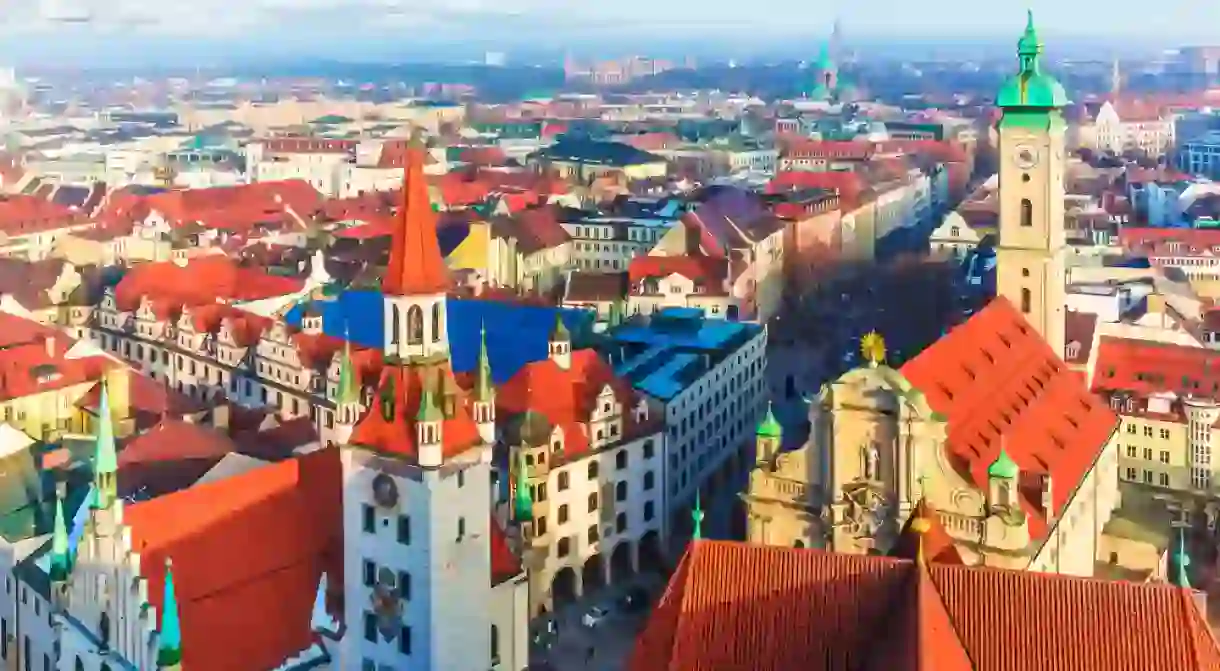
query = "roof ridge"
{"x": 940, "y": 601}
{"x": 1191, "y": 615}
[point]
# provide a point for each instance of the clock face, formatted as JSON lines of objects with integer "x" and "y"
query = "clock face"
{"x": 1025, "y": 157}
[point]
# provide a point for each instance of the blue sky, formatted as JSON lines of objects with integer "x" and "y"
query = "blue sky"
{"x": 71, "y": 30}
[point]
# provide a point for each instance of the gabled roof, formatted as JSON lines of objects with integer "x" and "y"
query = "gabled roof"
{"x": 740, "y": 606}
{"x": 1146, "y": 367}
{"x": 936, "y": 544}
{"x": 247, "y": 548}
{"x": 389, "y": 426}
{"x": 1000, "y": 385}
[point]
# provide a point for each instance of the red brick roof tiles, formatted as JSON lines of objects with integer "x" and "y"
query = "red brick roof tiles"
{"x": 401, "y": 388}
{"x": 25, "y": 215}
{"x": 285, "y": 520}
{"x": 704, "y": 271}
{"x": 999, "y": 384}
{"x": 738, "y": 606}
{"x": 1145, "y": 367}
{"x": 33, "y": 359}
{"x": 200, "y": 281}
{"x": 416, "y": 265}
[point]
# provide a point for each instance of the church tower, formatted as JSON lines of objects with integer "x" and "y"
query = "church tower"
{"x": 416, "y": 280}
{"x": 416, "y": 505}
{"x": 1031, "y": 250}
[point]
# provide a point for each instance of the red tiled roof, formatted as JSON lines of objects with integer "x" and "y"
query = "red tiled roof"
{"x": 396, "y": 433}
{"x": 285, "y": 522}
{"x": 175, "y": 440}
{"x": 308, "y": 145}
{"x": 1171, "y": 241}
{"x": 236, "y": 207}
{"x": 505, "y": 564}
{"x": 32, "y": 359}
{"x": 24, "y": 215}
{"x": 201, "y": 281}
{"x": 1079, "y": 328}
{"x": 999, "y": 384}
{"x": 1145, "y": 367}
{"x": 701, "y": 269}
{"x": 830, "y": 149}
{"x": 733, "y": 606}
{"x": 416, "y": 265}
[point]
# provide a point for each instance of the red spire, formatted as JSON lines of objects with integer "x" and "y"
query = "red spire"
{"x": 416, "y": 264}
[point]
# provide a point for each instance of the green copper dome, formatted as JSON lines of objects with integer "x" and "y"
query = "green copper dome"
{"x": 1031, "y": 87}
{"x": 1003, "y": 467}
{"x": 769, "y": 427}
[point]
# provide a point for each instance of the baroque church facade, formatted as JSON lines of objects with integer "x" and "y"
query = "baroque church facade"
{"x": 987, "y": 427}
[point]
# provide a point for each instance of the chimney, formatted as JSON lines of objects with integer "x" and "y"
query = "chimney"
{"x": 220, "y": 417}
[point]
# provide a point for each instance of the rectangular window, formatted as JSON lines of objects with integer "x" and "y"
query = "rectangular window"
{"x": 404, "y": 640}
{"x": 370, "y": 573}
{"x": 370, "y": 627}
{"x": 461, "y": 531}
{"x": 404, "y": 530}
{"x": 404, "y": 585}
{"x": 370, "y": 519}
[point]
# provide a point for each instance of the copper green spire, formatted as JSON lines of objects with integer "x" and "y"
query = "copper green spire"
{"x": 429, "y": 410}
{"x": 60, "y": 558}
{"x": 483, "y": 390}
{"x": 560, "y": 330}
{"x": 523, "y": 505}
{"x": 696, "y": 514}
{"x": 1030, "y": 88}
{"x": 169, "y": 639}
{"x": 348, "y": 390}
{"x": 1179, "y": 562}
{"x": 1029, "y": 44}
{"x": 769, "y": 427}
{"x": 105, "y": 457}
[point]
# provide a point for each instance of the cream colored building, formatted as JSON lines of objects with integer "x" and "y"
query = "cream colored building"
{"x": 1152, "y": 134}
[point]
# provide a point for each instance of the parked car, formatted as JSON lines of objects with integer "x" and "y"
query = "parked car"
{"x": 594, "y": 616}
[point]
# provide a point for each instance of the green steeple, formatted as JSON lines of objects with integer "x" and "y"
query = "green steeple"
{"x": 60, "y": 552}
{"x": 105, "y": 457}
{"x": 1003, "y": 467}
{"x": 696, "y": 515}
{"x": 1031, "y": 88}
{"x": 429, "y": 410}
{"x": 523, "y": 504}
{"x": 169, "y": 640}
{"x": 348, "y": 390}
{"x": 483, "y": 388}
{"x": 769, "y": 427}
{"x": 1179, "y": 562}
{"x": 560, "y": 332}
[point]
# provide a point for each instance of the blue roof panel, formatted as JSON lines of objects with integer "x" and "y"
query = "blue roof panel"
{"x": 516, "y": 334}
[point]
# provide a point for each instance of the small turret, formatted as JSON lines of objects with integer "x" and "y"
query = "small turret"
{"x": 1002, "y": 477}
{"x": 560, "y": 345}
{"x": 523, "y": 500}
{"x": 105, "y": 457}
{"x": 169, "y": 638}
{"x": 61, "y": 553}
{"x": 348, "y": 402}
{"x": 1179, "y": 562}
{"x": 768, "y": 437}
{"x": 428, "y": 422}
{"x": 484, "y": 401}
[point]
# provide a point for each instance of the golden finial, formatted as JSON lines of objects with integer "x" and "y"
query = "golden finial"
{"x": 872, "y": 348}
{"x": 921, "y": 526}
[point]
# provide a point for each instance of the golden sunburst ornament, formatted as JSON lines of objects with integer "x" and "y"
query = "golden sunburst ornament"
{"x": 872, "y": 348}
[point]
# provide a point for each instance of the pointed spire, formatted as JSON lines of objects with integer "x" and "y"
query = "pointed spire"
{"x": 105, "y": 457}
{"x": 696, "y": 514}
{"x": 1029, "y": 46}
{"x": 559, "y": 332}
{"x": 60, "y": 551}
{"x": 429, "y": 409}
{"x": 169, "y": 639}
{"x": 1180, "y": 562}
{"x": 483, "y": 390}
{"x": 349, "y": 386}
{"x": 1003, "y": 467}
{"x": 920, "y": 525}
{"x": 416, "y": 265}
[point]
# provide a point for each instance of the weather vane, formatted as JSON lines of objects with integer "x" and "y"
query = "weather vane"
{"x": 872, "y": 348}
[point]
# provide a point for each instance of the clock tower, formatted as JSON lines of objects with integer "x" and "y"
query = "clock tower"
{"x": 1031, "y": 251}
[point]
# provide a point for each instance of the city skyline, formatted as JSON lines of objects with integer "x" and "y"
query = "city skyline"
{"x": 137, "y": 32}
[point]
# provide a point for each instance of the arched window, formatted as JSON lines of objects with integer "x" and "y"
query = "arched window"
{"x": 1027, "y": 212}
{"x": 79, "y": 666}
{"x": 415, "y": 325}
{"x": 1026, "y": 299}
{"x": 495, "y": 644}
{"x": 436, "y": 322}
{"x": 395, "y": 325}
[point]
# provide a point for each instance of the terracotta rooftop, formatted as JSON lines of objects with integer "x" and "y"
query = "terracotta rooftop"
{"x": 416, "y": 265}
{"x": 1145, "y": 367}
{"x": 734, "y": 606}
{"x": 999, "y": 384}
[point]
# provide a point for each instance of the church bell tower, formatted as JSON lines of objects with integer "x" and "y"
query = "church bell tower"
{"x": 1031, "y": 249}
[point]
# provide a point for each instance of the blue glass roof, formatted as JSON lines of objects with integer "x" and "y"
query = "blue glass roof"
{"x": 516, "y": 334}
